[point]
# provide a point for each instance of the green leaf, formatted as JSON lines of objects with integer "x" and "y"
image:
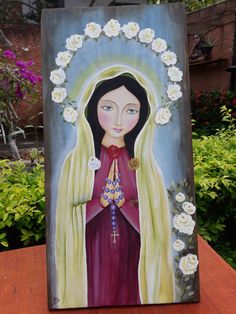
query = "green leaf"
{"x": 2, "y": 236}
{"x": 4, "y": 243}
{"x": 5, "y": 216}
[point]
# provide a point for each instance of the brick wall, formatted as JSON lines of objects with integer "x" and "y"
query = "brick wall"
{"x": 217, "y": 22}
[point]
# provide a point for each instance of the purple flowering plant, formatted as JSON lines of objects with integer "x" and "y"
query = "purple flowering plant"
{"x": 18, "y": 84}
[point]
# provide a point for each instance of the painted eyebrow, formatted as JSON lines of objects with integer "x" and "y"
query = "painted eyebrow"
{"x": 107, "y": 100}
{"x": 126, "y": 106}
{"x": 132, "y": 104}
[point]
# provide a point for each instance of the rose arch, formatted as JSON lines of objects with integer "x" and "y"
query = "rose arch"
{"x": 129, "y": 31}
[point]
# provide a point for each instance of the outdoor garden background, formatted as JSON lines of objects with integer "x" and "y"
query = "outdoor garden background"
{"x": 213, "y": 105}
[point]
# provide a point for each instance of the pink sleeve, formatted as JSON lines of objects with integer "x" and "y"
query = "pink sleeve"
{"x": 93, "y": 207}
{"x": 130, "y": 210}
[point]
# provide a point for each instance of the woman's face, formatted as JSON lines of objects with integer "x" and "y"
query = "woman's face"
{"x": 118, "y": 112}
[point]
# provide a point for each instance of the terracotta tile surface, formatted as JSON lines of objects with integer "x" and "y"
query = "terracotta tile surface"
{"x": 23, "y": 286}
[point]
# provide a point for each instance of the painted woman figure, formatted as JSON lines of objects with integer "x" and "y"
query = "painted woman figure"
{"x": 112, "y": 220}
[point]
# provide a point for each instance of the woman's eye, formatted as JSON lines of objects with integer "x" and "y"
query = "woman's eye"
{"x": 132, "y": 111}
{"x": 107, "y": 108}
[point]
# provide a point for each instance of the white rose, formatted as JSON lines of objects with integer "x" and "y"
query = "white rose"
{"x": 178, "y": 245}
{"x": 169, "y": 58}
{"x": 163, "y": 116}
{"x": 146, "y": 35}
{"x": 175, "y": 74}
{"x": 59, "y": 94}
{"x": 63, "y": 58}
{"x": 70, "y": 114}
{"x": 189, "y": 208}
{"x": 184, "y": 223}
{"x": 74, "y": 42}
{"x": 130, "y": 30}
{"x": 188, "y": 264}
{"x": 57, "y": 76}
{"x": 94, "y": 163}
{"x": 174, "y": 92}
{"x": 112, "y": 28}
{"x": 180, "y": 197}
{"x": 93, "y": 30}
{"x": 159, "y": 45}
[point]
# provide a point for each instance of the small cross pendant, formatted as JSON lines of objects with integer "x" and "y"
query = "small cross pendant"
{"x": 114, "y": 235}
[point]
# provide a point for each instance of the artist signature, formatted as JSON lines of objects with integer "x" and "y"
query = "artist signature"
{"x": 55, "y": 300}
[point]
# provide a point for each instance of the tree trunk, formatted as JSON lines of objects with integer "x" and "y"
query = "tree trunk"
{"x": 13, "y": 147}
{"x": 5, "y": 43}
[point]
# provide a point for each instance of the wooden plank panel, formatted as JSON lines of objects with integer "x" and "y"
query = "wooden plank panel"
{"x": 90, "y": 61}
{"x": 23, "y": 286}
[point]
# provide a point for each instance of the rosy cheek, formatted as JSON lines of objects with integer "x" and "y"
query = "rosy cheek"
{"x": 130, "y": 122}
{"x": 104, "y": 119}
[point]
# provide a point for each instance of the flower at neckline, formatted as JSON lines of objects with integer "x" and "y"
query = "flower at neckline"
{"x": 114, "y": 151}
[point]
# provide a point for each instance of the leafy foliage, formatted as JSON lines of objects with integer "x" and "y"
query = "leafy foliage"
{"x": 215, "y": 184}
{"x": 191, "y": 5}
{"x": 17, "y": 85}
{"x": 227, "y": 251}
{"x": 206, "y": 108}
{"x": 11, "y": 10}
{"x": 22, "y": 204}
{"x": 17, "y": 81}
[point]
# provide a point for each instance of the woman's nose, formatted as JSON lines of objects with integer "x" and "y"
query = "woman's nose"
{"x": 118, "y": 118}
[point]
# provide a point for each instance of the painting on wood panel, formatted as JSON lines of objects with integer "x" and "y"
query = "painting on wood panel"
{"x": 121, "y": 227}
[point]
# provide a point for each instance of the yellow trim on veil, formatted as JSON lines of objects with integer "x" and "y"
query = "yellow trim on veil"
{"x": 156, "y": 274}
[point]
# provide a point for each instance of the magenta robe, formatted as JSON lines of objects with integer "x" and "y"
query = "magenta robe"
{"x": 112, "y": 269}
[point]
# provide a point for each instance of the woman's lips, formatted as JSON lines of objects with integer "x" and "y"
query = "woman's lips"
{"x": 117, "y": 130}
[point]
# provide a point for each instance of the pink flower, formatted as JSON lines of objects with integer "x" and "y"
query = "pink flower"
{"x": 33, "y": 78}
{"x": 19, "y": 93}
{"x": 25, "y": 73}
{"x": 30, "y": 76}
{"x": 113, "y": 151}
{"x": 24, "y": 64}
{"x": 9, "y": 54}
{"x": 29, "y": 63}
{"x": 21, "y": 64}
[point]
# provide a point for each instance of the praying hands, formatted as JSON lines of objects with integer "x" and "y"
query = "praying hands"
{"x": 112, "y": 191}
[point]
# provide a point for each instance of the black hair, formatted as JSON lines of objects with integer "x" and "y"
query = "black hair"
{"x": 106, "y": 86}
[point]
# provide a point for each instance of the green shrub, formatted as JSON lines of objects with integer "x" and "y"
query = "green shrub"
{"x": 22, "y": 204}
{"x": 206, "y": 107}
{"x": 227, "y": 250}
{"x": 215, "y": 181}
{"x": 215, "y": 188}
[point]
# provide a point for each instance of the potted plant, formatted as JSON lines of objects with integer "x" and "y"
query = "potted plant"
{"x": 207, "y": 45}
